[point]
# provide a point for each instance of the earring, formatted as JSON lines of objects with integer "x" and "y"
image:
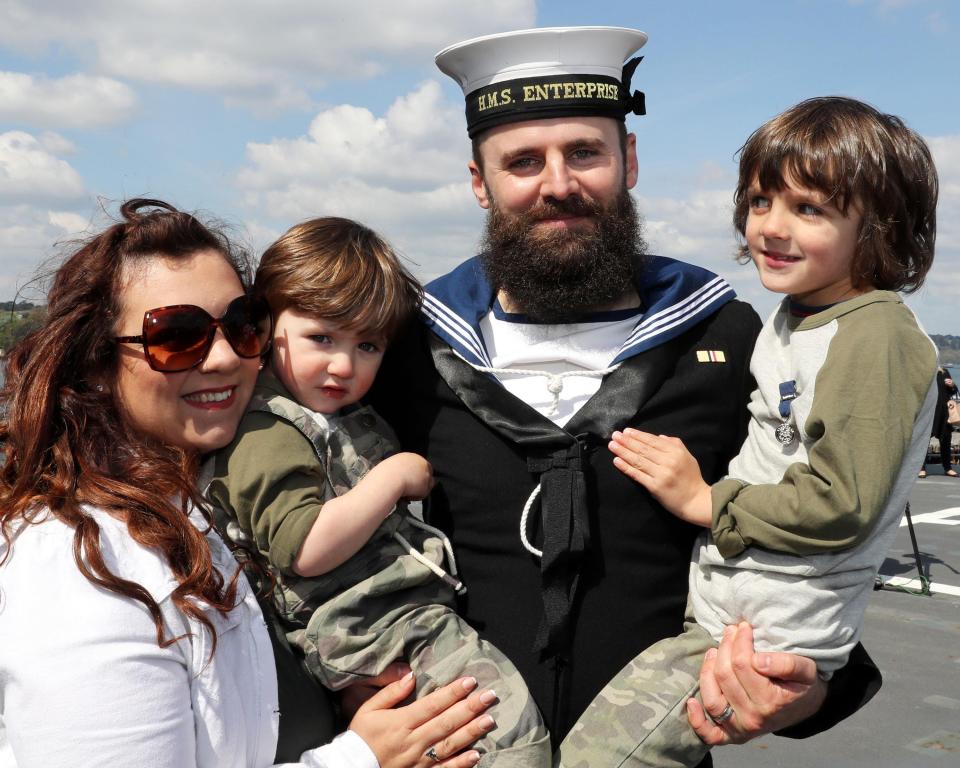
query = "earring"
{"x": 99, "y": 387}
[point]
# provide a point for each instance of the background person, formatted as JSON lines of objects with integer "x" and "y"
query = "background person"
{"x": 942, "y": 429}
{"x": 530, "y": 356}
{"x": 128, "y": 635}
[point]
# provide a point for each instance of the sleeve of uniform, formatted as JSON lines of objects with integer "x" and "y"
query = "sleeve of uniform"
{"x": 271, "y": 481}
{"x": 868, "y": 394}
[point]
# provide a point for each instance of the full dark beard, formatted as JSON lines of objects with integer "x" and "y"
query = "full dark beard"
{"x": 558, "y": 275}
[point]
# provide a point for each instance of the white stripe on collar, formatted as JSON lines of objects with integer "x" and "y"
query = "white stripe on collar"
{"x": 676, "y": 296}
{"x": 468, "y": 340}
{"x": 679, "y": 313}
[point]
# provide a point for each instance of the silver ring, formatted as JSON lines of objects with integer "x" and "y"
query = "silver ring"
{"x": 723, "y": 716}
{"x": 432, "y": 754}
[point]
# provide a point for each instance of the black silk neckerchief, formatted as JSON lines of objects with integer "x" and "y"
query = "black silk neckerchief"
{"x": 558, "y": 458}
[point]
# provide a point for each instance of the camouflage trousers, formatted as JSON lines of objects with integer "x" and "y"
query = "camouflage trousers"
{"x": 383, "y": 605}
{"x": 640, "y": 717}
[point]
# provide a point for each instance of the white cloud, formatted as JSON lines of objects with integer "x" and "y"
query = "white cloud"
{"x": 72, "y": 224}
{"x": 412, "y": 144}
{"x": 699, "y": 229}
{"x": 435, "y": 229}
{"x": 403, "y": 173}
{"x": 691, "y": 227}
{"x": 248, "y": 50}
{"x": 29, "y": 172}
{"x": 28, "y": 240}
{"x": 74, "y": 101}
{"x": 56, "y": 144}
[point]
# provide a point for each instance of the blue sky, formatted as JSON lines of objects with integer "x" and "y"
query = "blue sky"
{"x": 267, "y": 113}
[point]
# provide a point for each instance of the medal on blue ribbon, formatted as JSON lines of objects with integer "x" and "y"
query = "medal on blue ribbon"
{"x": 785, "y": 433}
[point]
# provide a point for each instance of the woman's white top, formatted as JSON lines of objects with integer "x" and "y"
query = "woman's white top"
{"x": 83, "y": 681}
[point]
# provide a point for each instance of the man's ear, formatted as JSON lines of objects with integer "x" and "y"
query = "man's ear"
{"x": 477, "y": 185}
{"x": 630, "y": 158}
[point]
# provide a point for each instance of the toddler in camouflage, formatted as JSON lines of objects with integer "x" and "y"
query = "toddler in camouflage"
{"x": 313, "y": 481}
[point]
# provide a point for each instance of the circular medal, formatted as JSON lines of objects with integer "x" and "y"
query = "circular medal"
{"x": 785, "y": 433}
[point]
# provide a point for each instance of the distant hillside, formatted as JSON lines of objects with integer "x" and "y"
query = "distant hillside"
{"x": 17, "y": 320}
{"x": 949, "y": 347}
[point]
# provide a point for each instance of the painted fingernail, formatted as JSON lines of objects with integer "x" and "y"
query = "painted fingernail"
{"x": 488, "y": 697}
{"x": 469, "y": 683}
{"x": 487, "y": 723}
{"x": 472, "y": 757}
{"x": 408, "y": 676}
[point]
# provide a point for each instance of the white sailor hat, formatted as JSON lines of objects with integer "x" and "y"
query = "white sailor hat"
{"x": 532, "y": 74}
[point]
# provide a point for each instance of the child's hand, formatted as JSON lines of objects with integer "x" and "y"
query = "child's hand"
{"x": 412, "y": 473}
{"x": 666, "y": 468}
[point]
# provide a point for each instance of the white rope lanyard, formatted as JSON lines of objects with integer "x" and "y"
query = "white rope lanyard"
{"x": 523, "y": 524}
{"x": 554, "y": 387}
{"x": 554, "y": 380}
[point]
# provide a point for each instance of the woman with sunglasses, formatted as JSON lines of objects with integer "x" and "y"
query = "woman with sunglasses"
{"x": 128, "y": 635}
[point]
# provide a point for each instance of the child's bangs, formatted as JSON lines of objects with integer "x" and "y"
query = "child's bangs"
{"x": 814, "y": 168}
{"x": 364, "y": 302}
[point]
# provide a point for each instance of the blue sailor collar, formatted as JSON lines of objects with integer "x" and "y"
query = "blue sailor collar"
{"x": 675, "y": 296}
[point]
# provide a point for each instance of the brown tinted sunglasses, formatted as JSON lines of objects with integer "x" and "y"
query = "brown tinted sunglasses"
{"x": 179, "y": 337}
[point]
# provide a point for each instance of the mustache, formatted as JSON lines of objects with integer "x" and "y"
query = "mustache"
{"x": 570, "y": 206}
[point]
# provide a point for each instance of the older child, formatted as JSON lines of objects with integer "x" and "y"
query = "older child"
{"x": 314, "y": 483}
{"x": 836, "y": 203}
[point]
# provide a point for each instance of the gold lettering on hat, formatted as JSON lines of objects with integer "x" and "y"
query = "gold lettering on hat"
{"x": 554, "y": 92}
{"x": 494, "y": 99}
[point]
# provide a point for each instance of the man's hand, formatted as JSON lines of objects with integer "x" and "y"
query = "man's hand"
{"x": 766, "y": 691}
{"x": 665, "y": 467}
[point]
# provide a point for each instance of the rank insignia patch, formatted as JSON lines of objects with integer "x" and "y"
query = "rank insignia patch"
{"x": 711, "y": 356}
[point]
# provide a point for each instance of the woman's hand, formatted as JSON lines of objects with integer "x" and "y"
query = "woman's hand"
{"x": 446, "y": 721}
{"x": 357, "y": 694}
{"x": 765, "y": 691}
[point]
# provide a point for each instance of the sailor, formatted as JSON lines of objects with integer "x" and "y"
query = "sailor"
{"x": 530, "y": 355}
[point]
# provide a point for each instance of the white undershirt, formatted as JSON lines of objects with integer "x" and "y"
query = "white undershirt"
{"x": 581, "y": 352}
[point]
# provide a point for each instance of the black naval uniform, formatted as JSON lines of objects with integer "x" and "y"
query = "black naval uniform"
{"x": 622, "y": 558}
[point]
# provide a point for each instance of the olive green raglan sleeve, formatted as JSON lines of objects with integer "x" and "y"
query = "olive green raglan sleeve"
{"x": 270, "y": 480}
{"x": 868, "y": 394}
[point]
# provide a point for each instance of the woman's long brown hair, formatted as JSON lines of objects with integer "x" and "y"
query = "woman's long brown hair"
{"x": 65, "y": 440}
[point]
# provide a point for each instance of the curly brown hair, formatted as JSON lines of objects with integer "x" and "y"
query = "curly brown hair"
{"x": 65, "y": 439}
{"x": 853, "y": 154}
